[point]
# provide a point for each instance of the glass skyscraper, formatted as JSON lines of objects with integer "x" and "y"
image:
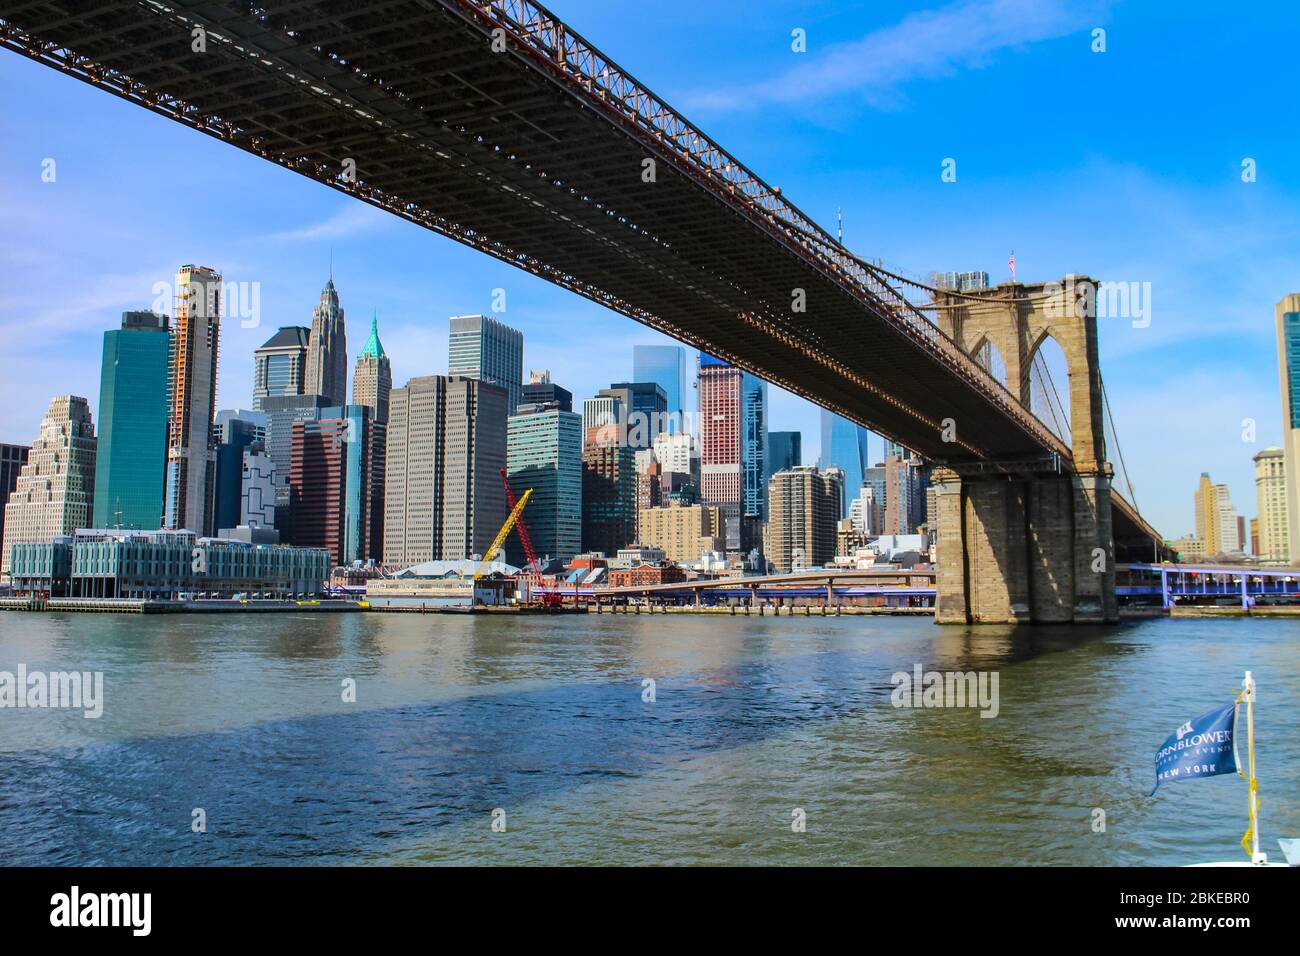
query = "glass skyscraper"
{"x": 280, "y": 364}
{"x": 643, "y": 405}
{"x": 754, "y": 450}
{"x": 844, "y": 445}
{"x": 665, "y": 365}
{"x": 490, "y": 351}
{"x": 1287, "y": 314}
{"x": 784, "y": 450}
{"x": 544, "y": 453}
{"x": 131, "y": 464}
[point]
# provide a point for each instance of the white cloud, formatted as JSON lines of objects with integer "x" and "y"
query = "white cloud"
{"x": 350, "y": 220}
{"x": 922, "y": 45}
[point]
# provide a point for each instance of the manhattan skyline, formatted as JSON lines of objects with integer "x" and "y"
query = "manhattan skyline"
{"x": 1129, "y": 193}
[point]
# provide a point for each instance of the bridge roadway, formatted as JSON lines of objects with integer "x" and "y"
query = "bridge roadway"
{"x": 535, "y": 155}
{"x": 495, "y": 124}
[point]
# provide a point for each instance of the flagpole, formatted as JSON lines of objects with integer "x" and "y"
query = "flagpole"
{"x": 1248, "y": 688}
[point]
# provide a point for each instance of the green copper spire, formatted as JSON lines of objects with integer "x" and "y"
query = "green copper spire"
{"x": 373, "y": 349}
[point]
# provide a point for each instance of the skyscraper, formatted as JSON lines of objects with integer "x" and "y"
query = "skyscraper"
{"x": 904, "y": 496}
{"x": 753, "y": 453}
{"x": 544, "y": 453}
{"x": 604, "y": 413}
{"x": 443, "y": 497}
{"x": 540, "y": 390}
{"x": 12, "y": 459}
{"x": 131, "y": 455}
{"x": 608, "y": 493}
{"x": 1216, "y": 519}
{"x": 644, "y": 411}
{"x": 280, "y": 364}
{"x": 336, "y": 479}
{"x": 191, "y": 451}
{"x": 327, "y": 349}
{"x": 238, "y": 432}
{"x": 55, "y": 491}
{"x": 844, "y": 445}
{"x": 1287, "y": 314}
{"x": 784, "y": 451}
{"x": 803, "y": 512}
{"x": 372, "y": 382}
{"x": 721, "y": 442}
{"x": 281, "y": 412}
{"x": 1270, "y": 506}
{"x": 676, "y": 453}
{"x": 483, "y": 348}
{"x": 665, "y": 365}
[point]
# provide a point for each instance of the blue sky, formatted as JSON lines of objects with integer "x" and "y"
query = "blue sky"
{"x": 1125, "y": 165}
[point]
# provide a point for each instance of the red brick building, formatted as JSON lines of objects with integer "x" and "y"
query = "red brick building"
{"x": 644, "y": 575}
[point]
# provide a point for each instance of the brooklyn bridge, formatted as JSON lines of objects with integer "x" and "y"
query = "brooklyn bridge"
{"x": 497, "y": 125}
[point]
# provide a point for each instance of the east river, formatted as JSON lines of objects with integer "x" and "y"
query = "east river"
{"x": 540, "y": 739}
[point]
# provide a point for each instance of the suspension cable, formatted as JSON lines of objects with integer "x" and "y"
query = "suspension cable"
{"x": 1110, "y": 416}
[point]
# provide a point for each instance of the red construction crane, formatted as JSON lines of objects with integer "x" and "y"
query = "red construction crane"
{"x": 533, "y": 568}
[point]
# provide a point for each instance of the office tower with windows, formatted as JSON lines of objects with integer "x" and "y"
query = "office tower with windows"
{"x": 904, "y": 496}
{"x": 238, "y": 432}
{"x": 336, "y": 479}
{"x": 664, "y": 365}
{"x": 684, "y": 532}
{"x": 327, "y": 349}
{"x": 372, "y": 381}
{"x": 1270, "y": 507}
{"x": 544, "y": 453}
{"x": 1287, "y": 317}
{"x": 280, "y": 364}
{"x": 443, "y": 498}
{"x": 54, "y": 493}
{"x": 644, "y": 409}
{"x": 721, "y": 441}
{"x": 131, "y": 452}
{"x": 281, "y": 412}
{"x": 608, "y": 494}
{"x": 191, "y": 450}
{"x": 803, "y": 514}
{"x": 540, "y": 390}
{"x": 12, "y": 459}
{"x": 603, "y": 416}
{"x": 1216, "y": 519}
{"x": 482, "y": 348}
{"x": 784, "y": 451}
{"x": 844, "y": 445}
{"x": 754, "y": 451}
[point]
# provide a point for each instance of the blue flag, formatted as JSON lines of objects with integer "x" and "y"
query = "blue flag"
{"x": 1202, "y": 747}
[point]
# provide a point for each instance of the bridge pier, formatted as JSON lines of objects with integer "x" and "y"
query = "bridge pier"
{"x": 1024, "y": 549}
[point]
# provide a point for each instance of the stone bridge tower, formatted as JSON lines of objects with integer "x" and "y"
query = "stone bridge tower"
{"x": 1022, "y": 542}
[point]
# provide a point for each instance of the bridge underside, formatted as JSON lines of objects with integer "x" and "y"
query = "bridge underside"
{"x": 535, "y": 155}
{"x": 534, "y": 150}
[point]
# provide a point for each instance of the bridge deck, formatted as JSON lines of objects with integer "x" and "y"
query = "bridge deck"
{"x": 534, "y": 155}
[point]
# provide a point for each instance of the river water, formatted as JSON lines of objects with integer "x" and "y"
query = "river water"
{"x": 539, "y": 725}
